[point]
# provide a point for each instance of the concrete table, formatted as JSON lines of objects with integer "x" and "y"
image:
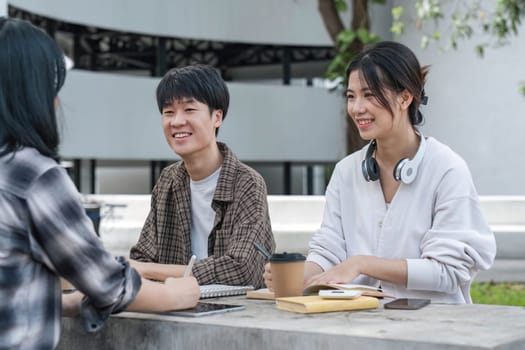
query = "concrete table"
{"x": 262, "y": 326}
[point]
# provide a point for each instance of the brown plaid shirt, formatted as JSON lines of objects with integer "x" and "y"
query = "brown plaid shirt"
{"x": 241, "y": 218}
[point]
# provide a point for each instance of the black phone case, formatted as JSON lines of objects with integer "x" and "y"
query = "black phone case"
{"x": 407, "y": 304}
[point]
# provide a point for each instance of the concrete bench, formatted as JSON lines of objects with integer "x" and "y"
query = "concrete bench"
{"x": 296, "y": 218}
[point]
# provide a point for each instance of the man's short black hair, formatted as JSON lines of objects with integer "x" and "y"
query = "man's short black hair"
{"x": 200, "y": 82}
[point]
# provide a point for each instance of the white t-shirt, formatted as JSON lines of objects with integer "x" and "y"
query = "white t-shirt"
{"x": 202, "y": 214}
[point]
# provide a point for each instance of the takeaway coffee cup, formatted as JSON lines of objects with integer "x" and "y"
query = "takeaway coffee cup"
{"x": 287, "y": 274}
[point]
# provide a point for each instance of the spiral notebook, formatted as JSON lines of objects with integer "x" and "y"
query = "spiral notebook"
{"x": 222, "y": 290}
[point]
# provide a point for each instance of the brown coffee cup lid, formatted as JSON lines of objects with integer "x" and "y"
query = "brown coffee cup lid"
{"x": 287, "y": 257}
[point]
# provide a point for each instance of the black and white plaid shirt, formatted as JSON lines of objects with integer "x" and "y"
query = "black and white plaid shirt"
{"x": 241, "y": 218}
{"x": 45, "y": 233}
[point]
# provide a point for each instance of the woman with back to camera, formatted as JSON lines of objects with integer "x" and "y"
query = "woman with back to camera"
{"x": 401, "y": 213}
{"x": 44, "y": 231}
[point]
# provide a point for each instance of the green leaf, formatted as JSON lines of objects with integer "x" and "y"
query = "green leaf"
{"x": 453, "y": 43}
{"x": 397, "y": 28}
{"x": 424, "y": 41}
{"x": 373, "y": 38}
{"x": 362, "y": 35}
{"x": 340, "y": 5}
{"x": 346, "y": 36}
{"x": 480, "y": 50}
{"x": 397, "y": 12}
{"x": 427, "y": 9}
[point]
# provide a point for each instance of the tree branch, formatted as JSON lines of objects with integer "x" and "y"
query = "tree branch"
{"x": 331, "y": 19}
{"x": 360, "y": 18}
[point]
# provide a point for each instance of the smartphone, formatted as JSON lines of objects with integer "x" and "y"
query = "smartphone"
{"x": 407, "y": 304}
{"x": 339, "y": 294}
{"x": 205, "y": 309}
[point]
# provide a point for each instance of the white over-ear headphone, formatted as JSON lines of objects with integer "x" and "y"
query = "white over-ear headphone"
{"x": 404, "y": 171}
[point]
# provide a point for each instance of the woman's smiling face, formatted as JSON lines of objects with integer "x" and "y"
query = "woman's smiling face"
{"x": 372, "y": 119}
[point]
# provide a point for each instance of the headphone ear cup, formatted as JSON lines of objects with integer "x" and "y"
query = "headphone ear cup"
{"x": 370, "y": 169}
{"x": 404, "y": 171}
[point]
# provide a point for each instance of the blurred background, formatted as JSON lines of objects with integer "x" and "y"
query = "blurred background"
{"x": 287, "y": 116}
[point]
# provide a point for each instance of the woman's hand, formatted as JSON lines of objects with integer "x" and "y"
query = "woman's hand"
{"x": 137, "y": 265}
{"x": 186, "y": 291}
{"x": 71, "y": 304}
{"x": 173, "y": 294}
{"x": 345, "y": 272}
{"x": 267, "y": 275}
{"x": 390, "y": 270}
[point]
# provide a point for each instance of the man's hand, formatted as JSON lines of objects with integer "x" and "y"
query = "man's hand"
{"x": 267, "y": 275}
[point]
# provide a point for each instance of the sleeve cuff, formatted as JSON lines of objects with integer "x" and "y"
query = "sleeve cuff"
{"x": 93, "y": 318}
{"x": 420, "y": 274}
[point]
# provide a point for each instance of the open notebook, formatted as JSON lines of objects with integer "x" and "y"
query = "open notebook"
{"x": 314, "y": 290}
{"x": 222, "y": 290}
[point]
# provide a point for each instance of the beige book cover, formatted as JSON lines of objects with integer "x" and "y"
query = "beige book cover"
{"x": 315, "y": 304}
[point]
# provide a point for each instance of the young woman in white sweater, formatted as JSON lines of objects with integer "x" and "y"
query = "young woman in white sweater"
{"x": 401, "y": 213}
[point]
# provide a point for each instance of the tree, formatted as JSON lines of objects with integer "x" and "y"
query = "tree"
{"x": 348, "y": 41}
{"x": 500, "y": 22}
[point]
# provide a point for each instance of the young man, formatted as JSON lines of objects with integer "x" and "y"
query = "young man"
{"x": 209, "y": 204}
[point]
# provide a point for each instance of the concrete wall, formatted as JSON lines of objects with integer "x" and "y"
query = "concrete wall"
{"x": 108, "y": 116}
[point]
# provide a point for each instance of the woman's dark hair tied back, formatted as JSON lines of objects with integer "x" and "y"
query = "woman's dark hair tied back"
{"x": 424, "y": 98}
{"x": 389, "y": 65}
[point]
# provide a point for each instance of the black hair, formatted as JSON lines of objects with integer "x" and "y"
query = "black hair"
{"x": 32, "y": 71}
{"x": 201, "y": 82}
{"x": 389, "y": 65}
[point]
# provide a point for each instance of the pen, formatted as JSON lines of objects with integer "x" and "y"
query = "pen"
{"x": 263, "y": 251}
{"x": 190, "y": 266}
